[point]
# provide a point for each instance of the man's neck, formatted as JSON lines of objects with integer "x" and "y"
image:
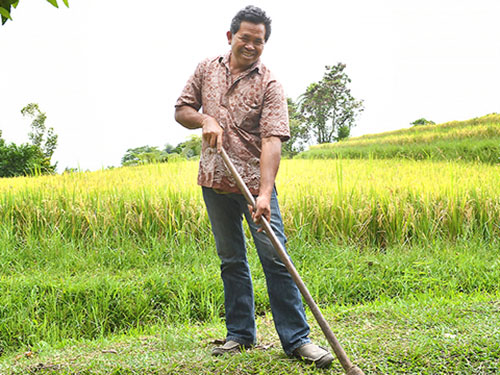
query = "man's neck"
{"x": 235, "y": 68}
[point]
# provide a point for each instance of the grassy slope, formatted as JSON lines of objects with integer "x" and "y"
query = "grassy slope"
{"x": 473, "y": 140}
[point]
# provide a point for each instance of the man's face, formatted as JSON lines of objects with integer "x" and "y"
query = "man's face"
{"x": 248, "y": 43}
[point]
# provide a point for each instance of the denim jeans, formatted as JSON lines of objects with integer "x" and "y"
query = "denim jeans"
{"x": 226, "y": 211}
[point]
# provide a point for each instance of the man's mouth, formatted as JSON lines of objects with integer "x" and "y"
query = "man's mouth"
{"x": 248, "y": 54}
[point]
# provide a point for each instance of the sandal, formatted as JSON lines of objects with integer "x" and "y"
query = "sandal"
{"x": 312, "y": 353}
{"x": 229, "y": 347}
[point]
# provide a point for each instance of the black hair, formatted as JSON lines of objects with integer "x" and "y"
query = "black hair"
{"x": 254, "y": 15}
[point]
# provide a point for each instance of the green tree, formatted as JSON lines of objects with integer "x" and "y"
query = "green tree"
{"x": 299, "y": 134}
{"x": 422, "y": 121}
{"x": 42, "y": 138}
{"x": 143, "y": 155}
{"x": 328, "y": 106}
{"x": 29, "y": 158}
{"x": 6, "y": 5}
{"x": 169, "y": 149}
{"x": 23, "y": 160}
{"x": 190, "y": 148}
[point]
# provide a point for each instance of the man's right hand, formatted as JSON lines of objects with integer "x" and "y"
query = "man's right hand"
{"x": 212, "y": 132}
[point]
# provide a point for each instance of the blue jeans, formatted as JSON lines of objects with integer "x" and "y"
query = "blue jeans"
{"x": 226, "y": 217}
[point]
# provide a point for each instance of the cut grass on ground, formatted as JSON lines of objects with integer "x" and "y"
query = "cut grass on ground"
{"x": 419, "y": 335}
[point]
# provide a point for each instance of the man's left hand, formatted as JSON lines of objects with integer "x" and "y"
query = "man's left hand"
{"x": 263, "y": 208}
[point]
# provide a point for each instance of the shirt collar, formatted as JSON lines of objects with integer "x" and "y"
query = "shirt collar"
{"x": 257, "y": 66}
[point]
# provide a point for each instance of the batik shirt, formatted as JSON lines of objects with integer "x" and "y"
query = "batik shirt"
{"x": 249, "y": 107}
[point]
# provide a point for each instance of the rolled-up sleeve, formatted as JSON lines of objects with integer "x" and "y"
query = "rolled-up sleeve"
{"x": 191, "y": 94}
{"x": 274, "y": 117}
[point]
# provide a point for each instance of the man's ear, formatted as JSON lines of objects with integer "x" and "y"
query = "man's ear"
{"x": 229, "y": 37}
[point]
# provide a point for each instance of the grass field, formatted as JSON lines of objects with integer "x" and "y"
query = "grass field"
{"x": 472, "y": 140}
{"x": 402, "y": 256}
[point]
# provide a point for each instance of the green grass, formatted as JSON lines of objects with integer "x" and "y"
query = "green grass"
{"x": 402, "y": 256}
{"x": 92, "y": 292}
{"x": 472, "y": 140}
{"x": 418, "y": 335}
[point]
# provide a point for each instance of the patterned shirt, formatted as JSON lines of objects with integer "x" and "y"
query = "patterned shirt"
{"x": 249, "y": 107}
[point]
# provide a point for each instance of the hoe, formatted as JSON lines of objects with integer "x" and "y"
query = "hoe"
{"x": 349, "y": 368}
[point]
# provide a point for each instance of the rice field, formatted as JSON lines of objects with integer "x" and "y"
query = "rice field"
{"x": 357, "y": 201}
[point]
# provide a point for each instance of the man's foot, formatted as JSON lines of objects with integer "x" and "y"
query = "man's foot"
{"x": 229, "y": 347}
{"x": 314, "y": 353}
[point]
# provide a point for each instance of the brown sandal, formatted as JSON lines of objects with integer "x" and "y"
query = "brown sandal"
{"x": 314, "y": 353}
{"x": 229, "y": 347}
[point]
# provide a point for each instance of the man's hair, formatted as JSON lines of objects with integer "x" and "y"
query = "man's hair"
{"x": 251, "y": 14}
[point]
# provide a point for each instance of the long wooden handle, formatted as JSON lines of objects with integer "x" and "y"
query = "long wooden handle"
{"x": 337, "y": 348}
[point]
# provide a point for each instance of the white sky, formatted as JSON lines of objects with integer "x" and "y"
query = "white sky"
{"x": 107, "y": 73}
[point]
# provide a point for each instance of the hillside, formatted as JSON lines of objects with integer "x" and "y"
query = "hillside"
{"x": 477, "y": 139}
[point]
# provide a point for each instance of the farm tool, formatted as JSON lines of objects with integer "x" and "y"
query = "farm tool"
{"x": 349, "y": 368}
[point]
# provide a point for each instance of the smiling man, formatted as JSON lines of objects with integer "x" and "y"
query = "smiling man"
{"x": 244, "y": 110}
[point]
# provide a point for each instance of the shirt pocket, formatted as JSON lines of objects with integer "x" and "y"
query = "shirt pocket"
{"x": 251, "y": 113}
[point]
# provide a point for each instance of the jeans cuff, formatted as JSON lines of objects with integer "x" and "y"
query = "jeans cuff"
{"x": 304, "y": 341}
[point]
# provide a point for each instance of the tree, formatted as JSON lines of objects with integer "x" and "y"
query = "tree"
{"x": 299, "y": 134}
{"x": 5, "y": 7}
{"x": 422, "y": 121}
{"x": 45, "y": 140}
{"x": 143, "y": 155}
{"x": 190, "y": 148}
{"x": 23, "y": 160}
{"x": 31, "y": 158}
{"x": 40, "y": 136}
{"x": 152, "y": 154}
{"x": 169, "y": 149}
{"x": 328, "y": 106}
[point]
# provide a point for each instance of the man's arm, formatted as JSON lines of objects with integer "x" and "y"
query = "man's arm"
{"x": 192, "y": 119}
{"x": 269, "y": 163}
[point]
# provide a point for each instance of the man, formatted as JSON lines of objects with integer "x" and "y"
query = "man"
{"x": 245, "y": 111}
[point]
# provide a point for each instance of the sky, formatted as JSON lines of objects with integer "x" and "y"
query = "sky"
{"x": 107, "y": 73}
